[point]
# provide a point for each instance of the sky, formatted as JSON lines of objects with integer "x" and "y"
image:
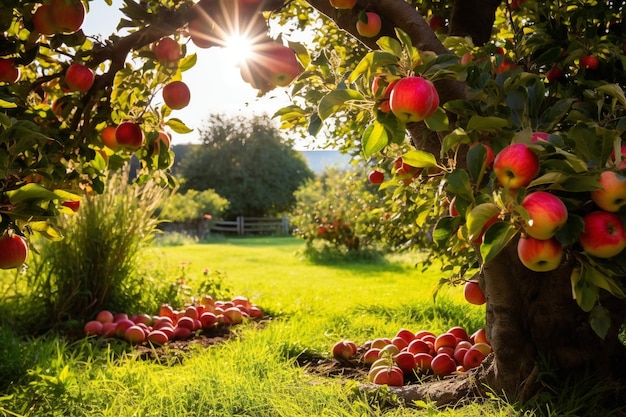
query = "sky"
{"x": 215, "y": 83}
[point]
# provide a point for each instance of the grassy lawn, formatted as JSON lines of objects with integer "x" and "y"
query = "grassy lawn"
{"x": 255, "y": 373}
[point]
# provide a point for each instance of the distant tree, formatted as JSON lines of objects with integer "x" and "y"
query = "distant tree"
{"x": 248, "y": 162}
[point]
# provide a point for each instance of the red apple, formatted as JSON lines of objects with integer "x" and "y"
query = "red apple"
{"x": 453, "y": 211}
{"x": 42, "y": 20}
{"x": 603, "y": 235}
{"x": 104, "y": 316}
{"x": 128, "y": 135}
{"x": 406, "y": 361}
{"x": 547, "y": 214}
{"x": 539, "y": 136}
{"x": 423, "y": 361}
{"x": 9, "y": 73}
{"x": 13, "y": 250}
{"x": 443, "y": 364}
{"x": 473, "y": 358}
{"x": 445, "y": 340}
{"x": 201, "y": 33}
{"x": 67, "y": 15}
{"x": 406, "y": 334}
{"x": 376, "y": 177}
{"x": 399, "y": 342}
{"x": 157, "y": 337}
{"x": 371, "y": 355}
{"x": 459, "y": 332}
{"x": 612, "y": 196}
{"x": 413, "y": 99}
{"x": 345, "y": 349}
{"x": 392, "y": 376}
{"x": 167, "y": 51}
{"x": 108, "y": 138}
{"x": 516, "y": 166}
{"x": 342, "y": 4}
{"x": 93, "y": 328}
{"x": 383, "y": 100}
{"x": 418, "y": 346}
{"x": 473, "y": 293}
{"x": 539, "y": 255}
{"x": 108, "y": 329}
{"x": 234, "y": 315}
{"x": 274, "y": 64}
{"x": 176, "y": 95}
{"x": 554, "y": 74}
{"x": 369, "y": 24}
{"x": 459, "y": 355}
{"x": 208, "y": 320}
{"x": 135, "y": 334}
{"x": 436, "y": 23}
{"x": 181, "y": 333}
{"x": 187, "y": 322}
{"x": 121, "y": 326}
{"x": 589, "y": 62}
{"x": 479, "y": 336}
{"x": 79, "y": 77}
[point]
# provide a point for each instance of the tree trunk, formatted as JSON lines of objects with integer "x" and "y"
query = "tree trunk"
{"x": 533, "y": 318}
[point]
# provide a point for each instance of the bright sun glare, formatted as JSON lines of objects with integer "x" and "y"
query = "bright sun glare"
{"x": 238, "y": 48}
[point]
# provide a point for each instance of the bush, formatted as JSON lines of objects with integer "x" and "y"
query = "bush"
{"x": 97, "y": 264}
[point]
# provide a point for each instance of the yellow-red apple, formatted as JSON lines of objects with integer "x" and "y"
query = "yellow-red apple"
{"x": 516, "y": 166}
{"x": 413, "y": 99}
{"x": 539, "y": 255}
{"x": 547, "y": 214}
{"x": 603, "y": 235}
{"x": 612, "y": 196}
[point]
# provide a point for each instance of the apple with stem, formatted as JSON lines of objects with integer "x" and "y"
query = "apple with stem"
{"x": 603, "y": 235}
{"x": 516, "y": 166}
{"x": 413, "y": 99}
{"x": 612, "y": 194}
{"x": 539, "y": 255}
{"x": 167, "y": 51}
{"x": 13, "y": 250}
{"x": 547, "y": 214}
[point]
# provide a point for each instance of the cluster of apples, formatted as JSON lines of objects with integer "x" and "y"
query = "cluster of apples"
{"x": 172, "y": 324}
{"x": 603, "y": 235}
{"x": 393, "y": 361}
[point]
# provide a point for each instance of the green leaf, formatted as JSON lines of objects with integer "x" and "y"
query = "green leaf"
{"x": 454, "y": 138}
{"x": 477, "y": 161}
{"x": 178, "y": 126}
{"x": 336, "y": 100}
{"x": 445, "y": 228}
{"x": 187, "y": 62}
{"x": 604, "y": 281}
{"x": 370, "y": 62}
{"x": 438, "y": 122}
{"x": 7, "y": 104}
{"x": 419, "y": 159}
{"x": 374, "y": 138}
{"x": 584, "y": 292}
{"x": 391, "y": 45}
{"x": 46, "y": 229}
{"x": 31, "y": 192}
{"x": 496, "y": 238}
{"x": 600, "y": 321}
{"x": 315, "y": 124}
{"x": 301, "y": 52}
{"x": 486, "y": 123}
{"x": 614, "y": 91}
{"x": 459, "y": 184}
{"x": 478, "y": 218}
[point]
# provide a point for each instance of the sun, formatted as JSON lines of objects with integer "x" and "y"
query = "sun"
{"x": 238, "y": 48}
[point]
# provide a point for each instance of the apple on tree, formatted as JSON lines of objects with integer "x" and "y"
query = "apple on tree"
{"x": 79, "y": 77}
{"x": 176, "y": 95}
{"x": 42, "y": 20}
{"x": 547, "y": 214}
{"x": 539, "y": 255}
{"x": 413, "y": 99}
{"x": 589, "y": 62}
{"x": 271, "y": 65}
{"x": 369, "y": 24}
{"x": 603, "y": 235}
{"x": 128, "y": 135}
{"x": 343, "y": 4}
{"x": 473, "y": 294}
{"x": 13, "y": 250}
{"x": 67, "y": 15}
{"x": 9, "y": 73}
{"x": 516, "y": 166}
{"x": 167, "y": 51}
{"x": 376, "y": 177}
{"x": 612, "y": 194}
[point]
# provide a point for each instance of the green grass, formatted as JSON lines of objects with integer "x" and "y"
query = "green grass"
{"x": 254, "y": 374}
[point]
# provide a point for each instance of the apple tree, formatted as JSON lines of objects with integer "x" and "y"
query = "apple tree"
{"x": 441, "y": 84}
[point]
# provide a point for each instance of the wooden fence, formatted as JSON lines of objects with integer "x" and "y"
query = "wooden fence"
{"x": 246, "y": 225}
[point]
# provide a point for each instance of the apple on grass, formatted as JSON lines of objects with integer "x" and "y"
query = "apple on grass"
{"x": 418, "y": 346}
{"x": 391, "y": 376}
{"x": 443, "y": 364}
{"x": 423, "y": 361}
{"x": 547, "y": 214}
{"x": 93, "y": 328}
{"x": 104, "y": 316}
{"x": 413, "y": 99}
{"x": 406, "y": 361}
{"x": 516, "y": 166}
{"x": 157, "y": 337}
{"x": 345, "y": 349}
{"x": 369, "y": 24}
{"x": 13, "y": 250}
{"x": 371, "y": 355}
{"x": 539, "y": 255}
{"x": 612, "y": 194}
{"x": 603, "y": 235}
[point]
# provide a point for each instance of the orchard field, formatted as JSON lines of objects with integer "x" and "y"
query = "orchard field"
{"x": 256, "y": 372}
